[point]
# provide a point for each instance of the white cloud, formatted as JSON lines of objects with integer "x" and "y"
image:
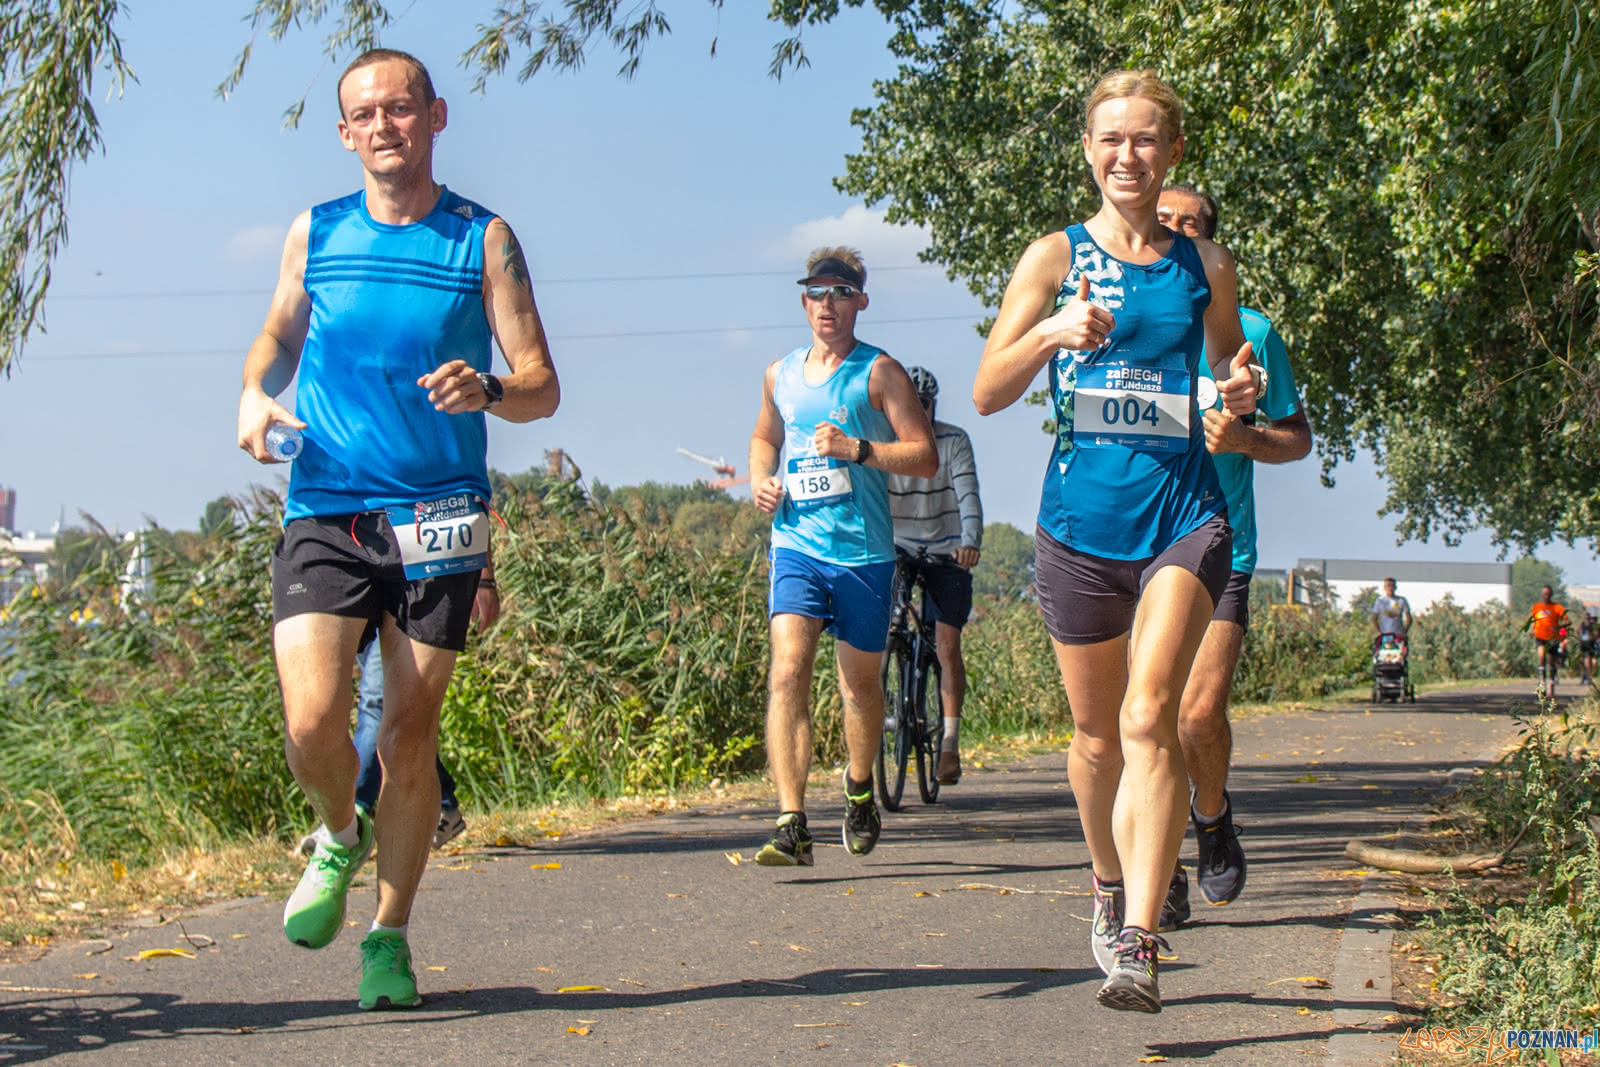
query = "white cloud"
{"x": 255, "y": 243}
{"x": 881, "y": 244}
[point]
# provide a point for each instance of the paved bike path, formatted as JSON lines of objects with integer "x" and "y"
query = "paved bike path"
{"x": 963, "y": 939}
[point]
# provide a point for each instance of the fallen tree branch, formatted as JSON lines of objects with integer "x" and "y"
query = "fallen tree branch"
{"x": 1412, "y": 861}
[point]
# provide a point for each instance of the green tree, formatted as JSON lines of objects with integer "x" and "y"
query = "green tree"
{"x": 220, "y": 517}
{"x": 1006, "y": 567}
{"x": 1529, "y": 576}
{"x": 1407, "y": 186}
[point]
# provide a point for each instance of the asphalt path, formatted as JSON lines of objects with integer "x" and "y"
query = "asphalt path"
{"x": 962, "y": 939}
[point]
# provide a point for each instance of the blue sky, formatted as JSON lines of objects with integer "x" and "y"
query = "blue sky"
{"x": 665, "y": 220}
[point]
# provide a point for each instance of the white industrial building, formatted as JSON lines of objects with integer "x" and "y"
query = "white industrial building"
{"x": 1470, "y": 585}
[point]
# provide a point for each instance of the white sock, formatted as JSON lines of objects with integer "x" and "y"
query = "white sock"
{"x": 349, "y": 837}
{"x": 952, "y": 735}
{"x": 401, "y": 929}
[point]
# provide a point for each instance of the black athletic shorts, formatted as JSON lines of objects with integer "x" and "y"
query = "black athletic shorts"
{"x": 1234, "y": 603}
{"x": 949, "y": 590}
{"x": 349, "y": 565}
{"x": 1088, "y": 599}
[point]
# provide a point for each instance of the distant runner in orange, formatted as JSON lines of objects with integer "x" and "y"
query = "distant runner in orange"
{"x": 1547, "y": 621}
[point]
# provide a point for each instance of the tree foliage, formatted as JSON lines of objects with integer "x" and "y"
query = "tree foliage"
{"x": 50, "y": 52}
{"x": 1408, "y": 187}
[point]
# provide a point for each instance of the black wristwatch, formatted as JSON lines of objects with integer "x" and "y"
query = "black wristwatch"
{"x": 863, "y": 449}
{"x": 493, "y": 391}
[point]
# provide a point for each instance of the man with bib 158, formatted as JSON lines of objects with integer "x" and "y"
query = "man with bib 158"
{"x": 840, "y": 414}
{"x": 386, "y": 305}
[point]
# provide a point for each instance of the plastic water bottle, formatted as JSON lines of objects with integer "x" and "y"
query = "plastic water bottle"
{"x": 283, "y": 442}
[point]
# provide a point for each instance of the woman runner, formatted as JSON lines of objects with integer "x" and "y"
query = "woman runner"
{"x": 1133, "y": 545}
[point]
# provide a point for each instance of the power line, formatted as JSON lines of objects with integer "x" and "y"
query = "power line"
{"x": 607, "y": 336}
{"x": 190, "y": 294}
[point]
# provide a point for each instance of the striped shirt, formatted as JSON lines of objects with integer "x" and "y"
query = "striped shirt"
{"x": 942, "y": 513}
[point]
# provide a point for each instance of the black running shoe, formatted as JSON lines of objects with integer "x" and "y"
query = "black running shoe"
{"x": 1221, "y": 869}
{"x": 790, "y": 845}
{"x": 861, "y": 821}
{"x": 1132, "y": 984}
{"x": 1175, "y": 909}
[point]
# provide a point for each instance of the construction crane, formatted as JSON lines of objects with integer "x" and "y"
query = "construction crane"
{"x": 726, "y": 478}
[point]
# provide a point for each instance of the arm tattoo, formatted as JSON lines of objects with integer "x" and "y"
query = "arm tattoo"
{"x": 515, "y": 264}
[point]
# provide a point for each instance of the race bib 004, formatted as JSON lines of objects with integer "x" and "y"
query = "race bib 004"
{"x": 1121, "y": 406}
{"x": 812, "y": 481}
{"x": 446, "y": 536}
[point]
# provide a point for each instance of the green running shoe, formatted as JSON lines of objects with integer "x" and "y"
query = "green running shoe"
{"x": 862, "y": 823}
{"x": 387, "y": 980}
{"x": 314, "y": 913}
{"x": 790, "y": 845}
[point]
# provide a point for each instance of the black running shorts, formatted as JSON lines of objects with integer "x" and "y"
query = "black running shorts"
{"x": 349, "y": 565}
{"x": 1234, "y": 603}
{"x": 949, "y": 590}
{"x": 1088, "y": 599}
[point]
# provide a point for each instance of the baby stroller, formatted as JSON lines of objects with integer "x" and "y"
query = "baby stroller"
{"x": 1391, "y": 675}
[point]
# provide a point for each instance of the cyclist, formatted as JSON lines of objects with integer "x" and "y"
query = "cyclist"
{"x": 1278, "y": 433}
{"x": 943, "y": 516}
{"x": 841, "y": 414}
{"x": 394, "y": 434}
{"x": 1588, "y": 645}
{"x": 1547, "y": 621}
{"x": 1133, "y": 545}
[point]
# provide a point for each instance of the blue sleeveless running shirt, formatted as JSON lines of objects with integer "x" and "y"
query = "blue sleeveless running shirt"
{"x": 389, "y": 304}
{"x": 839, "y": 519}
{"x": 1129, "y": 474}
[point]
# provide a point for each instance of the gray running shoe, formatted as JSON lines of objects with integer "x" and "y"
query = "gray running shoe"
{"x": 1221, "y": 869}
{"x": 1132, "y": 983}
{"x": 1175, "y": 909}
{"x": 1108, "y": 908}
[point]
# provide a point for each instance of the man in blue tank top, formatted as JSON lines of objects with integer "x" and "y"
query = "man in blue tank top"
{"x": 386, "y": 305}
{"x": 840, "y": 415}
{"x": 1278, "y": 433}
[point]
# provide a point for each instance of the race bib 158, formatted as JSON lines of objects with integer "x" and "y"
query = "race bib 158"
{"x": 812, "y": 481}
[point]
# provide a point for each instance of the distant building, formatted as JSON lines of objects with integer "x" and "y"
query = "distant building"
{"x": 1587, "y": 595}
{"x": 23, "y": 562}
{"x": 1470, "y": 585}
{"x": 8, "y": 509}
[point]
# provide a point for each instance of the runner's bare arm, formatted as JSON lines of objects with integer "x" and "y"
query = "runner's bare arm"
{"x": 274, "y": 356}
{"x": 1279, "y": 441}
{"x": 766, "y": 442}
{"x": 1229, "y": 354}
{"x": 1028, "y": 331}
{"x": 532, "y": 390}
{"x": 912, "y": 451}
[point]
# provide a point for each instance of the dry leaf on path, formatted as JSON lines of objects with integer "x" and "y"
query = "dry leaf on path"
{"x": 554, "y": 866}
{"x": 1152, "y": 1058}
{"x": 159, "y": 953}
{"x": 581, "y": 1031}
{"x": 436, "y": 967}
{"x": 89, "y": 976}
{"x": 583, "y": 989}
{"x": 734, "y": 858}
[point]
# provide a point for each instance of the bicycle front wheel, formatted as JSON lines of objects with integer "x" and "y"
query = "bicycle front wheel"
{"x": 894, "y": 751}
{"x": 930, "y": 732}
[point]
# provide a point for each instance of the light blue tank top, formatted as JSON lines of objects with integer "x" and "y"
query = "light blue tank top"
{"x": 1236, "y": 471}
{"x": 1129, "y": 473}
{"x": 849, "y": 529}
{"x": 389, "y": 304}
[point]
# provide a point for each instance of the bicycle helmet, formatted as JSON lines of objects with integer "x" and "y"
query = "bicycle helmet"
{"x": 926, "y": 384}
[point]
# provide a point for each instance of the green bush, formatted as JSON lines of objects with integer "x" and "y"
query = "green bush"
{"x": 1512, "y": 958}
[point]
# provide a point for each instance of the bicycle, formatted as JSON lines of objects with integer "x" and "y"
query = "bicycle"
{"x": 913, "y": 704}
